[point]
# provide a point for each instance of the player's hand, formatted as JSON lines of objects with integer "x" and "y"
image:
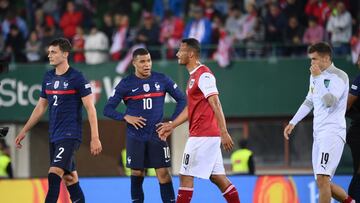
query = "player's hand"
{"x": 315, "y": 70}
{"x": 95, "y": 146}
{"x": 136, "y": 121}
{"x": 18, "y": 140}
{"x": 164, "y": 130}
{"x": 287, "y": 130}
{"x": 227, "y": 141}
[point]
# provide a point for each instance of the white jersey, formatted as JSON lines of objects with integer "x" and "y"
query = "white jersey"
{"x": 327, "y": 94}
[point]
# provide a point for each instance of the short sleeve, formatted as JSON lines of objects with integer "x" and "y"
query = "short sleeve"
{"x": 43, "y": 88}
{"x": 83, "y": 86}
{"x": 355, "y": 87}
{"x": 207, "y": 84}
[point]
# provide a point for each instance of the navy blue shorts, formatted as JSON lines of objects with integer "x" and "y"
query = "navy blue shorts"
{"x": 147, "y": 154}
{"x": 62, "y": 154}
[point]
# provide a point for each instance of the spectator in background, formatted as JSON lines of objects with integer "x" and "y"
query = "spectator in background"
{"x": 5, "y": 161}
{"x": 149, "y": 35}
{"x": 33, "y": 48}
{"x": 78, "y": 42}
{"x": 96, "y": 47}
{"x": 233, "y": 20}
{"x": 160, "y": 8}
{"x": 319, "y": 9}
{"x": 340, "y": 28}
{"x": 222, "y": 52}
{"x": 108, "y": 26}
{"x": 210, "y": 11}
{"x": 293, "y": 35}
{"x": 199, "y": 27}
{"x": 70, "y": 20}
{"x": 41, "y": 21}
{"x": 242, "y": 160}
{"x": 15, "y": 44}
{"x": 295, "y": 8}
{"x": 4, "y": 8}
{"x": 13, "y": 19}
{"x": 120, "y": 39}
{"x": 314, "y": 33}
{"x": 355, "y": 47}
{"x": 171, "y": 30}
{"x": 275, "y": 22}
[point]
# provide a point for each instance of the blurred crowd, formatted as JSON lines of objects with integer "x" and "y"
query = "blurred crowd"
{"x": 102, "y": 31}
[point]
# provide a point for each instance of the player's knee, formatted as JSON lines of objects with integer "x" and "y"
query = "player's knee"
{"x": 69, "y": 179}
{"x": 163, "y": 175}
{"x": 323, "y": 181}
{"x": 138, "y": 172}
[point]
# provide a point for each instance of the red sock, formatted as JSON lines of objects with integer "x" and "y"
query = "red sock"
{"x": 184, "y": 195}
{"x": 231, "y": 194}
{"x": 348, "y": 200}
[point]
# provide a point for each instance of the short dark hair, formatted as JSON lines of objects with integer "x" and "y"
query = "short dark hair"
{"x": 322, "y": 48}
{"x": 63, "y": 43}
{"x": 192, "y": 43}
{"x": 140, "y": 51}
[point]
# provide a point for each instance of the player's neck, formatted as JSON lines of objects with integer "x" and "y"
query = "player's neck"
{"x": 192, "y": 65}
{"x": 61, "y": 68}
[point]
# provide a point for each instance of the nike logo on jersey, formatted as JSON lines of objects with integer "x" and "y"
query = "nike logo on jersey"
{"x": 57, "y": 160}
{"x": 134, "y": 90}
{"x": 48, "y": 83}
{"x": 167, "y": 160}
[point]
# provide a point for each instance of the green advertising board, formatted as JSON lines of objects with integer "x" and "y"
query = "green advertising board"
{"x": 251, "y": 88}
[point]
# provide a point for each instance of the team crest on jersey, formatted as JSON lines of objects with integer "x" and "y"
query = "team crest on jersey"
{"x": 56, "y": 84}
{"x": 157, "y": 86}
{"x": 66, "y": 85}
{"x": 146, "y": 87}
{"x": 191, "y": 83}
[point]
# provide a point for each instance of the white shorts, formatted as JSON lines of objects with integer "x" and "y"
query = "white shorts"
{"x": 326, "y": 154}
{"x": 202, "y": 157}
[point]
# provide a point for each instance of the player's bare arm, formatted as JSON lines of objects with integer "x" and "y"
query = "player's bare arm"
{"x": 350, "y": 101}
{"x": 95, "y": 144}
{"x": 165, "y": 129}
{"x": 287, "y": 130}
{"x": 37, "y": 113}
{"x": 226, "y": 139}
{"x": 136, "y": 121}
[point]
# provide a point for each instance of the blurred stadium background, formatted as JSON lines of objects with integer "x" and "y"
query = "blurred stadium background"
{"x": 256, "y": 48}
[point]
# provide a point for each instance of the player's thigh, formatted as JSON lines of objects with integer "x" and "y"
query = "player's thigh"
{"x": 135, "y": 153}
{"x": 157, "y": 154}
{"x": 328, "y": 154}
{"x": 62, "y": 154}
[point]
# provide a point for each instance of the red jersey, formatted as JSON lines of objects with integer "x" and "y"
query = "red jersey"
{"x": 202, "y": 120}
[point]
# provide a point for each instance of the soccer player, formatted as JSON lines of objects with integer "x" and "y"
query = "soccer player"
{"x": 327, "y": 95}
{"x": 353, "y": 136}
{"x": 64, "y": 90}
{"x": 143, "y": 94}
{"x": 202, "y": 154}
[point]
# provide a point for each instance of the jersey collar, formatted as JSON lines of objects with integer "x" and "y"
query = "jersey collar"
{"x": 193, "y": 71}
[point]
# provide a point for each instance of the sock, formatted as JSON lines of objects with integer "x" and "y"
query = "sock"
{"x": 137, "y": 193}
{"x": 348, "y": 200}
{"x": 54, "y": 188}
{"x": 231, "y": 194}
{"x": 184, "y": 195}
{"x": 76, "y": 194}
{"x": 167, "y": 192}
{"x": 354, "y": 187}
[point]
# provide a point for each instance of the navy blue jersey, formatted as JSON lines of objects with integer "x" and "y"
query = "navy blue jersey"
{"x": 354, "y": 112}
{"x": 64, "y": 93}
{"x": 144, "y": 97}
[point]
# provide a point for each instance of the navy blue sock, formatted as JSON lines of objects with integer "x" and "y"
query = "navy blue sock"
{"x": 354, "y": 188}
{"x": 167, "y": 192}
{"x": 54, "y": 188}
{"x": 76, "y": 194}
{"x": 137, "y": 193}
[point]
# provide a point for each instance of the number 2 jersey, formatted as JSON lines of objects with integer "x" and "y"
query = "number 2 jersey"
{"x": 64, "y": 93}
{"x": 145, "y": 98}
